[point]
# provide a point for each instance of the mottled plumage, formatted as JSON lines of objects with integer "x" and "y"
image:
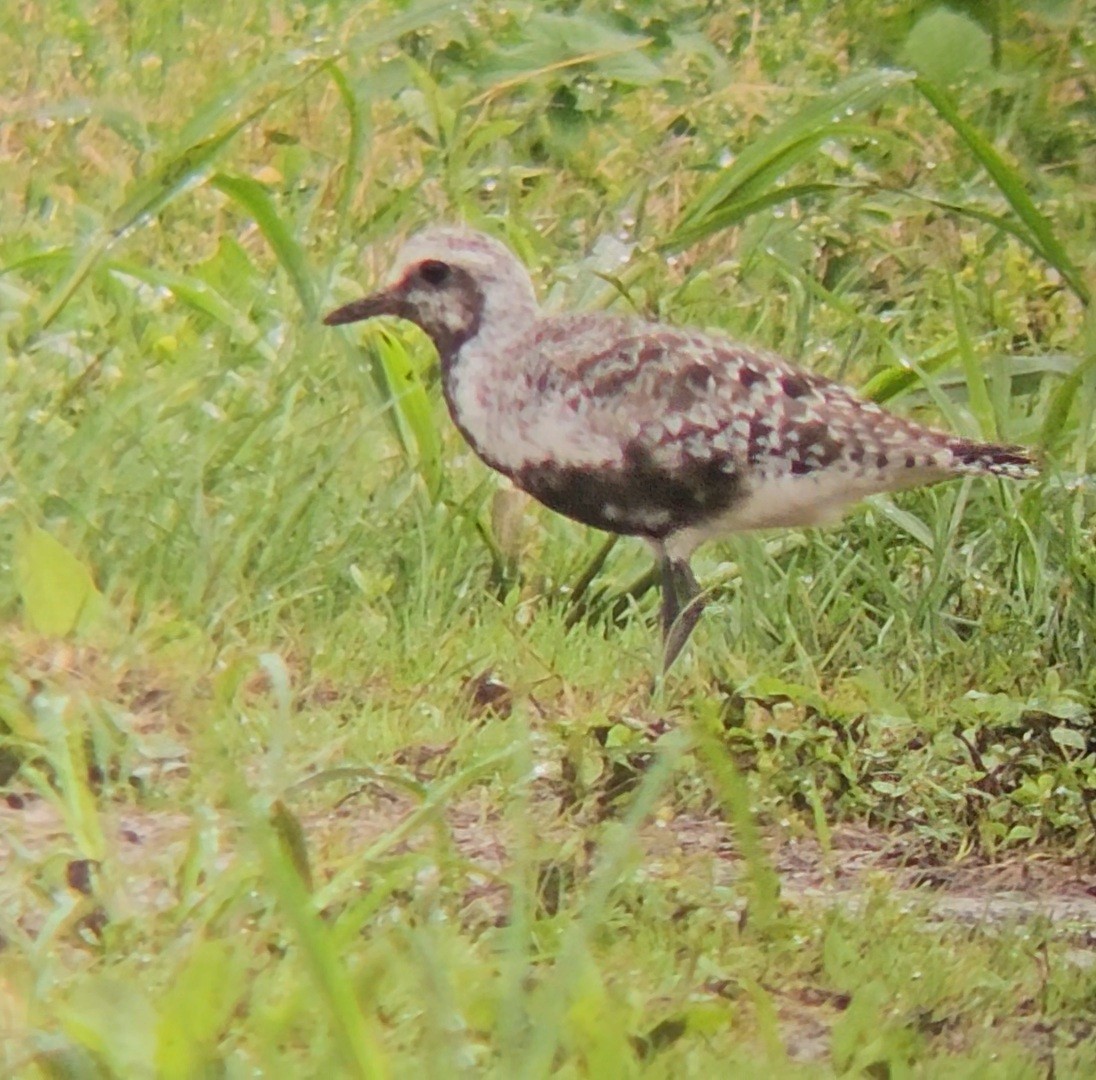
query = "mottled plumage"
{"x": 640, "y": 428}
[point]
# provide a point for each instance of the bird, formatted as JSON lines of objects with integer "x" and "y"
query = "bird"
{"x": 668, "y": 433}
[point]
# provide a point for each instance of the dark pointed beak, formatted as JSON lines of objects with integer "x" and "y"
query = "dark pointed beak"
{"x": 385, "y": 302}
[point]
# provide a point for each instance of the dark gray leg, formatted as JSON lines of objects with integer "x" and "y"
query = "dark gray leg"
{"x": 682, "y": 604}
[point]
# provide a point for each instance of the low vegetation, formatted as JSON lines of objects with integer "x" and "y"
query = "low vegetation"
{"x": 326, "y": 754}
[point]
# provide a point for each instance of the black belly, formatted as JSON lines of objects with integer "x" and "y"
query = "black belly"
{"x": 634, "y": 497}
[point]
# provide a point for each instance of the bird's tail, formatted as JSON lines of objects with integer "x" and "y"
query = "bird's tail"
{"x": 977, "y": 458}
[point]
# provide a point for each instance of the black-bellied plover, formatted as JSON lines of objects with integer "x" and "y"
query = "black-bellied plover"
{"x": 645, "y": 429}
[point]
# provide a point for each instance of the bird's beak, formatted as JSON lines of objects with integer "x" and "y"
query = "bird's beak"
{"x": 386, "y": 302}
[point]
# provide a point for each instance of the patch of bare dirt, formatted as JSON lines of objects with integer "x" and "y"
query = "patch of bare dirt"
{"x": 147, "y": 845}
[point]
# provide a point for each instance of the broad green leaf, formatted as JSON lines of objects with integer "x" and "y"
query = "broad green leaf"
{"x": 856, "y": 1033}
{"x": 1069, "y": 737}
{"x": 15, "y": 717}
{"x": 57, "y": 590}
{"x": 946, "y": 47}
{"x": 114, "y": 1019}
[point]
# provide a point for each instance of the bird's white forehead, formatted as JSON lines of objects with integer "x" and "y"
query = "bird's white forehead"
{"x": 482, "y": 256}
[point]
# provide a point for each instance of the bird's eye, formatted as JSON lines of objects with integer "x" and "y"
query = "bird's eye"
{"x": 434, "y": 272}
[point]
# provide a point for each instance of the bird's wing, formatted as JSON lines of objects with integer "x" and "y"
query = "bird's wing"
{"x": 682, "y": 395}
{"x": 661, "y": 428}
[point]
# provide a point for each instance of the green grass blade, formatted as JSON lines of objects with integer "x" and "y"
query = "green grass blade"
{"x": 39, "y": 260}
{"x": 892, "y": 381}
{"x": 998, "y": 221}
{"x": 1040, "y": 233}
{"x": 762, "y": 163}
{"x": 64, "y": 781}
{"x": 1055, "y": 427}
{"x": 355, "y": 143}
{"x": 980, "y": 404}
{"x": 148, "y": 197}
{"x": 760, "y": 881}
{"x": 63, "y": 293}
{"x": 740, "y": 207}
{"x": 173, "y": 177}
{"x": 428, "y": 813}
{"x": 555, "y": 42}
{"x": 353, "y": 1029}
{"x": 256, "y": 201}
{"x": 206, "y": 136}
{"x": 908, "y": 522}
{"x": 202, "y": 297}
{"x": 552, "y": 998}
{"x": 228, "y": 101}
{"x": 412, "y": 412}
{"x": 196, "y": 1008}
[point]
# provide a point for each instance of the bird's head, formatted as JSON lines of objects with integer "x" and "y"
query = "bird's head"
{"x": 455, "y": 284}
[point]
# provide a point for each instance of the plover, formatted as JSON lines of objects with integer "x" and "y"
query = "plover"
{"x": 645, "y": 429}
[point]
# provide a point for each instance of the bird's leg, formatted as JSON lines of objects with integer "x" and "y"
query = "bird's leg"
{"x": 682, "y": 603}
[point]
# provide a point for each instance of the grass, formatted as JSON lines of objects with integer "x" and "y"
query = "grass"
{"x": 311, "y": 765}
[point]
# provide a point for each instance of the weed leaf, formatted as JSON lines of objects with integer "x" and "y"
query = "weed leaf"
{"x": 57, "y": 590}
